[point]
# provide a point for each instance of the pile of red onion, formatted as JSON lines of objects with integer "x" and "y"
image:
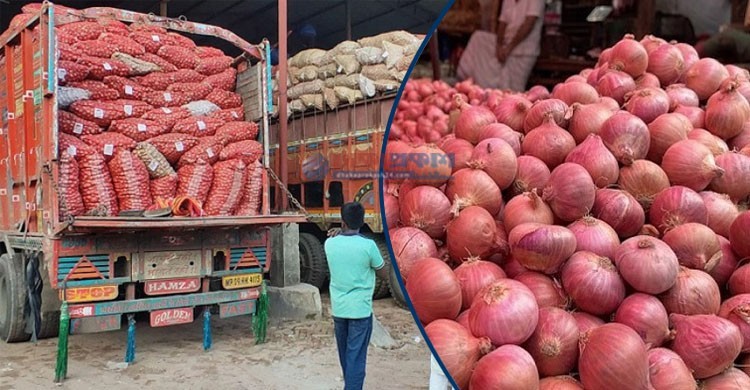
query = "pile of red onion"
{"x": 592, "y": 236}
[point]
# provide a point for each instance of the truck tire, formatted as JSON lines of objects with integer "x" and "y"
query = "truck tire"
{"x": 12, "y": 300}
{"x": 396, "y": 292}
{"x": 50, "y": 325}
{"x": 382, "y": 286}
{"x": 313, "y": 266}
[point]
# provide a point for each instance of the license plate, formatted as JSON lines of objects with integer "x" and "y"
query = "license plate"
{"x": 90, "y": 294}
{"x": 241, "y": 281}
{"x": 165, "y": 265}
{"x": 170, "y": 317}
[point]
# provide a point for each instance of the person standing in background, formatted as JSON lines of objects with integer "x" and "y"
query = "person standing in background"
{"x": 503, "y": 59}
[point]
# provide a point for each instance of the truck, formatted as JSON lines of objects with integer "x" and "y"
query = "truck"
{"x": 105, "y": 267}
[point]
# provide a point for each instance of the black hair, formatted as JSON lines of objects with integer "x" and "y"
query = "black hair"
{"x": 353, "y": 214}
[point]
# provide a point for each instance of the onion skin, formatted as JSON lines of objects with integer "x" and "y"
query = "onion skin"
{"x": 433, "y": 168}
{"x": 426, "y": 208}
{"x": 394, "y": 155}
{"x": 512, "y": 111}
{"x": 497, "y": 158}
{"x": 647, "y": 103}
{"x": 647, "y": 80}
{"x": 537, "y": 92}
{"x": 712, "y": 142}
{"x": 541, "y": 247}
{"x": 601, "y": 165}
{"x": 457, "y": 349}
{"x": 587, "y": 119}
{"x": 647, "y": 316}
{"x": 505, "y": 133}
{"x": 665, "y": 131}
{"x": 733, "y": 182}
{"x": 594, "y": 235}
{"x": 726, "y": 112}
{"x": 728, "y": 263}
{"x": 434, "y": 291}
{"x": 737, "y": 310}
{"x": 666, "y": 63}
{"x": 738, "y": 234}
{"x": 620, "y": 210}
{"x": 532, "y": 174}
{"x": 721, "y": 212}
{"x": 679, "y": 94}
{"x": 472, "y": 233}
{"x": 689, "y": 57}
{"x": 613, "y": 357}
{"x": 593, "y": 283}
{"x": 463, "y": 320}
{"x": 708, "y": 344}
{"x": 391, "y": 210}
{"x": 739, "y": 282}
{"x": 409, "y": 246}
{"x": 547, "y": 291}
{"x": 474, "y": 187}
{"x": 527, "y": 207}
{"x": 648, "y": 264}
{"x": 471, "y": 120}
{"x": 512, "y": 267}
{"x": 570, "y": 192}
{"x": 561, "y": 382}
{"x": 695, "y": 292}
{"x": 554, "y": 343}
{"x": 473, "y": 275}
{"x": 508, "y": 367}
{"x": 548, "y": 142}
{"x": 575, "y": 92}
{"x": 629, "y": 56}
{"x": 730, "y": 379}
{"x": 586, "y": 321}
{"x": 615, "y": 84}
{"x": 506, "y": 312}
{"x": 667, "y": 371}
{"x": 675, "y": 206}
{"x": 460, "y": 150}
{"x": 705, "y": 77}
{"x": 644, "y": 180}
{"x": 696, "y": 115}
{"x": 691, "y": 164}
{"x": 695, "y": 245}
{"x": 742, "y": 139}
{"x": 626, "y": 136}
{"x": 543, "y": 111}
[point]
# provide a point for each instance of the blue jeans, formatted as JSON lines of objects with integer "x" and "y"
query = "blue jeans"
{"x": 352, "y": 339}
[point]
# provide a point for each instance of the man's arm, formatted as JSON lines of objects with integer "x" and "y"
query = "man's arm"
{"x": 382, "y": 272}
{"x": 523, "y": 32}
{"x": 501, "y": 26}
{"x": 377, "y": 262}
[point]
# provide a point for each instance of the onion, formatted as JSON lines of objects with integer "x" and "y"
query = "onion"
{"x": 532, "y": 174}
{"x": 474, "y": 187}
{"x": 695, "y": 292}
{"x": 501, "y": 240}
{"x": 575, "y": 77}
{"x": 396, "y": 155}
{"x": 738, "y": 234}
{"x": 512, "y": 267}
{"x": 691, "y": 164}
{"x": 512, "y": 111}
{"x": 410, "y": 245}
{"x": 615, "y": 84}
{"x": 554, "y": 343}
{"x": 586, "y": 321}
{"x": 648, "y": 264}
{"x": 737, "y": 310}
{"x": 506, "y": 312}
{"x": 726, "y": 112}
{"x": 665, "y": 131}
{"x": 405, "y": 187}
{"x": 547, "y": 291}
{"x": 666, "y": 63}
{"x": 541, "y": 247}
{"x": 593, "y": 283}
{"x": 705, "y": 77}
{"x": 739, "y": 282}
{"x": 460, "y": 151}
{"x": 471, "y": 120}
{"x": 457, "y": 348}
{"x": 695, "y": 245}
{"x": 508, "y": 367}
{"x": 620, "y": 210}
{"x": 604, "y": 57}
{"x": 473, "y": 275}
{"x": 391, "y": 210}
{"x": 647, "y": 80}
{"x": 613, "y": 357}
{"x": 647, "y": 103}
{"x": 721, "y": 211}
{"x": 651, "y": 43}
{"x": 472, "y": 233}
{"x": 727, "y": 264}
{"x": 527, "y": 207}
{"x": 696, "y": 115}
{"x": 463, "y": 320}
{"x": 570, "y": 192}
{"x": 541, "y": 111}
{"x": 677, "y": 205}
{"x": 626, "y": 136}
{"x": 586, "y": 119}
{"x": 732, "y": 378}
{"x": 610, "y": 103}
{"x": 734, "y": 182}
{"x": 646, "y": 315}
{"x": 432, "y": 167}
{"x": 426, "y": 208}
{"x": 716, "y": 145}
{"x": 738, "y": 73}
{"x": 629, "y": 56}
{"x": 597, "y": 160}
{"x": 560, "y": 382}
{"x": 679, "y": 94}
{"x": 689, "y": 57}
{"x": 708, "y": 344}
{"x": 537, "y": 92}
{"x": 742, "y": 139}
{"x": 575, "y": 92}
{"x": 594, "y": 235}
{"x": 497, "y": 159}
{"x": 644, "y": 180}
{"x": 548, "y": 142}
{"x": 434, "y": 290}
{"x": 667, "y": 371}
{"x": 650, "y": 230}
{"x": 505, "y": 133}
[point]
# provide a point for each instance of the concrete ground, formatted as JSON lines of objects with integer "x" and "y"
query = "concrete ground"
{"x": 298, "y": 355}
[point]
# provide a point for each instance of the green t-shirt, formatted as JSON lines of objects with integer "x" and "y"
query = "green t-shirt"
{"x": 352, "y": 261}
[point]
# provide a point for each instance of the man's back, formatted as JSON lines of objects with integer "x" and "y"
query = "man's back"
{"x": 352, "y": 261}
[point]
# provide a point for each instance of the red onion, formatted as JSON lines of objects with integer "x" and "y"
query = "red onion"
{"x": 647, "y": 103}
{"x": 716, "y": 145}
{"x": 732, "y": 378}
{"x": 395, "y": 154}
{"x": 512, "y": 267}
{"x": 708, "y": 344}
{"x": 734, "y": 182}
{"x": 501, "y": 239}
{"x": 586, "y": 321}
{"x": 648, "y": 264}
{"x": 457, "y": 348}
{"x": 739, "y": 282}
{"x": 463, "y": 320}
{"x": 593, "y": 283}
{"x": 626, "y": 136}
{"x": 405, "y": 187}
{"x": 665, "y": 131}
{"x": 547, "y": 291}
{"x": 391, "y": 210}
{"x": 475, "y": 274}
{"x": 679, "y": 94}
{"x": 433, "y": 166}
{"x": 695, "y": 245}
{"x": 677, "y": 205}
{"x": 426, "y": 208}
{"x": 508, "y": 367}
{"x": 597, "y": 160}
{"x": 689, "y": 57}
{"x": 505, "y": 133}
{"x": 643, "y": 179}
{"x": 497, "y": 159}
{"x": 705, "y": 77}
{"x": 629, "y": 56}
{"x": 666, "y": 63}
{"x": 620, "y": 210}
{"x": 541, "y": 247}
{"x": 738, "y": 234}
{"x": 512, "y": 111}
{"x": 726, "y": 112}
{"x": 651, "y": 43}
{"x": 434, "y": 290}
{"x": 646, "y": 315}
{"x": 460, "y": 151}
{"x": 575, "y": 92}
{"x": 527, "y": 207}
{"x": 472, "y": 233}
{"x": 650, "y": 230}
{"x": 615, "y": 84}
{"x": 586, "y": 119}
{"x": 647, "y": 80}
{"x": 410, "y": 245}
{"x": 738, "y": 73}
{"x": 471, "y": 120}
{"x": 506, "y": 312}
{"x": 721, "y": 211}
{"x": 613, "y": 357}
{"x": 570, "y": 192}
{"x": 737, "y": 310}
{"x": 696, "y": 115}
{"x": 532, "y": 175}
{"x": 695, "y": 292}
{"x": 548, "y": 142}
{"x": 560, "y": 382}
{"x": 537, "y": 92}
{"x": 595, "y": 236}
{"x": 691, "y": 164}
{"x": 474, "y": 187}
{"x": 728, "y": 263}
{"x": 554, "y": 343}
{"x": 604, "y": 57}
{"x": 667, "y": 371}
{"x": 541, "y": 111}
{"x": 610, "y": 103}
{"x": 742, "y": 139}
{"x": 575, "y": 77}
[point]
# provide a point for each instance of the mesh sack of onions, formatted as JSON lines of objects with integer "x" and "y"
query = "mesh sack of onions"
{"x": 130, "y": 179}
{"x": 224, "y": 99}
{"x": 213, "y": 65}
{"x": 126, "y": 88}
{"x": 70, "y": 123}
{"x": 81, "y": 31}
{"x": 150, "y": 41}
{"x": 252, "y": 194}
{"x": 173, "y": 145}
{"x": 178, "y": 56}
{"x": 196, "y": 91}
{"x": 71, "y": 202}
{"x": 164, "y": 187}
{"x": 99, "y": 68}
{"x": 123, "y": 44}
{"x": 164, "y": 65}
{"x": 138, "y": 129}
{"x": 195, "y": 181}
{"x": 225, "y": 80}
{"x": 248, "y": 151}
{"x": 229, "y": 115}
{"x": 198, "y": 126}
{"x": 94, "y": 48}
{"x": 99, "y": 112}
{"x": 227, "y": 188}
{"x": 167, "y": 116}
{"x": 208, "y": 51}
{"x": 69, "y": 71}
{"x": 166, "y": 98}
{"x": 108, "y": 144}
{"x": 207, "y": 151}
{"x": 237, "y": 131}
{"x": 97, "y": 190}
{"x": 155, "y": 162}
{"x": 97, "y": 89}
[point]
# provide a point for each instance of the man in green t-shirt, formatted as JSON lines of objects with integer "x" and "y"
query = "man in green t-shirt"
{"x": 353, "y": 261}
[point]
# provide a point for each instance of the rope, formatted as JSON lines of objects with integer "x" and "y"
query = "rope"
{"x": 289, "y": 195}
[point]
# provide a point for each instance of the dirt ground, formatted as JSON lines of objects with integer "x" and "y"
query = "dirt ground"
{"x": 298, "y": 355}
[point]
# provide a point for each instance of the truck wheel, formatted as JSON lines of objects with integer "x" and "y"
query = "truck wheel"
{"x": 382, "y": 285}
{"x": 396, "y": 292}
{"x": 50, "y": 325}
{"x": 312, "y": 258}
{"x": 12, "y": 300}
